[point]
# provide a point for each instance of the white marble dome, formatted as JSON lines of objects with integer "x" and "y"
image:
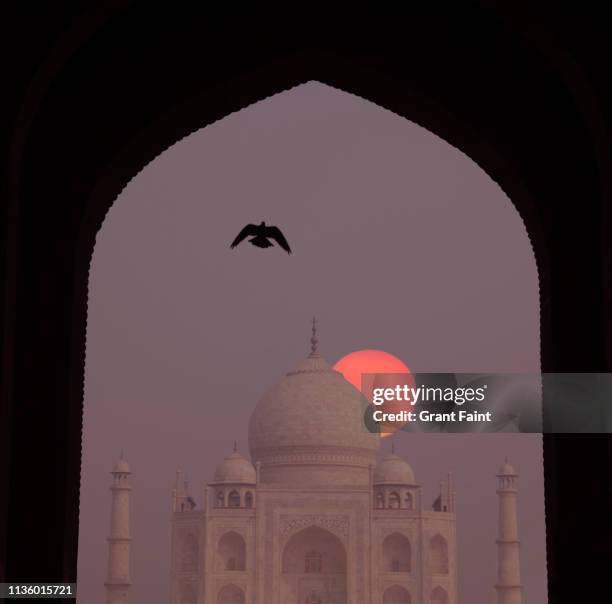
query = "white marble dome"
{"x": 235, "y": 469}
{"x": 393, "y": 470}
{"x": 309, "y": 427}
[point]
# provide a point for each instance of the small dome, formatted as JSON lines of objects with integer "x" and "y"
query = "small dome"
{"x": 235, "y": 469}
{"x": 507, "y": 470}
{"x": 122, "y": 467}
{"x": 393, "y": 470}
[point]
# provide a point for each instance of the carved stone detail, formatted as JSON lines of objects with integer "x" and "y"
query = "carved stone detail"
{"x": 221, "y": 530}
{"x": 337, "y": 524}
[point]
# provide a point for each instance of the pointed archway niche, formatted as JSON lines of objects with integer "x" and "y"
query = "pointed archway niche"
{"x": 436, "y": 265}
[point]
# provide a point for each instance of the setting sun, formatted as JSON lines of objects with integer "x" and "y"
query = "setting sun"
{"x": 362, "y": 362}
{"x": 355, "y": 364}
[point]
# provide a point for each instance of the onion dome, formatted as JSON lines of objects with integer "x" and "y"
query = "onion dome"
{"x": 235, "y": 469}
{"x": 121, "y": 467}
{"x": 507, "y": 469}
{"x": 309, "y": 427}
{"x": 393, "y": 470}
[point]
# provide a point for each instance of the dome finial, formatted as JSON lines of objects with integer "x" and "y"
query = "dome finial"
{"x": 235, "y": 446}
{"x": 314, "y": 340}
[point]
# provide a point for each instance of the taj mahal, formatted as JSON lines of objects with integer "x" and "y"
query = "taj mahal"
{"x": 315, "y": 516}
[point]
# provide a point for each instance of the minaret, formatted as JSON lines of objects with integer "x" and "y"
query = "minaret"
{"x": 179, "y": 495}
{"x": 509, "y": 588}
{"x": 118, "y": 575}
{"x": 181, "y": 500}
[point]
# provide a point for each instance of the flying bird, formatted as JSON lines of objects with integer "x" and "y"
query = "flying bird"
{"x": 261, "y": 235}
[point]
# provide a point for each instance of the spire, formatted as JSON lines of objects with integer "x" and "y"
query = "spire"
{"x": 235, "y": 446}
{"x": 314, "y": 340}
{"x": 451, "y": 491}
{"x": 181, "y": 500}
{"x": 392, "y": 446}
{"x": 447, "y": 494}
{"x": 180, "y": 483}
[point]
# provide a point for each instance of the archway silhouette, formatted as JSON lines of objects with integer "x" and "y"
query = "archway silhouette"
{"x": 42, "y": 328}
{"x": 340, "y": 98}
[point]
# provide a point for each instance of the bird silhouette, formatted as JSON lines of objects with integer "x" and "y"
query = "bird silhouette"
{"x": 261, "y": 235}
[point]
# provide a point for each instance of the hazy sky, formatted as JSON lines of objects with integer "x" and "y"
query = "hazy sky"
{"x": 400, "y": 243}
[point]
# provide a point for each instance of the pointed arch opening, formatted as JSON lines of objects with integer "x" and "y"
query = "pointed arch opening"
{"x": 313, "y": 563}
{"x": 439, "y": 596}
{"x": 438, "y": 551}
{"x": 231, "y": 552}
{"x": 231, "y": 594}
{"x": 397, "y": 553}
{"x": 394, "y": 501}
{"x": 233, "y": 499}
{"x": 408, "y": 500}
{"x": 396, "y": 594}
{"x": 189, "y": 553}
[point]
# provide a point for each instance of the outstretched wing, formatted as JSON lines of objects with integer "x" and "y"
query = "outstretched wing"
{"x": 249, "y": 229}
{"x": 275, "y": 233}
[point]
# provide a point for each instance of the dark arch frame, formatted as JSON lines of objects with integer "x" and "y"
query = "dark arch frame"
{"x": 101, "y": 107}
